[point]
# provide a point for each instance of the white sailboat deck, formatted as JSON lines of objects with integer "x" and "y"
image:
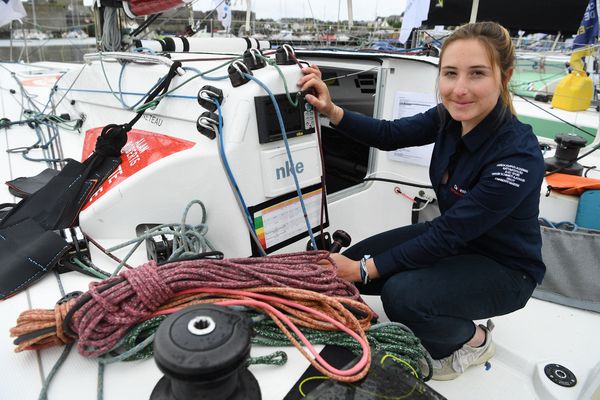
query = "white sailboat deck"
{"x": 526, "y": 340}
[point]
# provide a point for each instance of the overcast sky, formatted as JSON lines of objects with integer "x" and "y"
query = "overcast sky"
{"x": 321, "y": 9}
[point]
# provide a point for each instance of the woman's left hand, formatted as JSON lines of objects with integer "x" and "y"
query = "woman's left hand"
{"x": 347, "y": 269}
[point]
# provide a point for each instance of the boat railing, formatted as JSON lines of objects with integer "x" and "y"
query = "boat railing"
{"x": 133, "y": 57}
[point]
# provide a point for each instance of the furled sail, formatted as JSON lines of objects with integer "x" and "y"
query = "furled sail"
{"x": 136, "y": 8}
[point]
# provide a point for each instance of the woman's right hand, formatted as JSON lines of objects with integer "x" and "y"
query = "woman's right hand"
{"x": 321, "y": 100}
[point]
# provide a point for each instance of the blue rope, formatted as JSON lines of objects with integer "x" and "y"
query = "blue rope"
{"x": 128, "y": 93}
{"x": 233, "y": 182}
{"x": 121, "y": 93}
{"x": 142, "y": 49}
{"x": 564, "y": 225}
{"x": 203, "y": 74}
{"x": 227, "y": 167}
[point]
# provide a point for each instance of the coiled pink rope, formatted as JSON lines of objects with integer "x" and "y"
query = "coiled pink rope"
{"x": 102, "y": 321}
{"x": 258, "y": 300}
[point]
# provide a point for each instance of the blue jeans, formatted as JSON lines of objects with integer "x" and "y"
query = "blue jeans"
{"x": 440, "y": 302}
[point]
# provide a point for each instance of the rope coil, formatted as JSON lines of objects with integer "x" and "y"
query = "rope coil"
{"x": 111, "y": 307}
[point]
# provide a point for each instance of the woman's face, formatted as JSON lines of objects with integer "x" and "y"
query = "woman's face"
{"x": 469, "y": 85}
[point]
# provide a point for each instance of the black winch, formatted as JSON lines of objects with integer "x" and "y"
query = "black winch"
{"x": 565, "y": 158}
{"x": 202, "y": 350}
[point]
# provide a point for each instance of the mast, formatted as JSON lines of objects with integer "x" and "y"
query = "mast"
{"x": 33, "y": 16}
{"x": 350, "y": 16}
{"x": 248, "y": 12}
{"x": 11, "y": 40}
{"x": 474, "y": 9}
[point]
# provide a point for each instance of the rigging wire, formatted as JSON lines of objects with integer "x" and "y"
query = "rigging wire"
{"x": 555, "y": 116}
{"x": 36, "y": 119}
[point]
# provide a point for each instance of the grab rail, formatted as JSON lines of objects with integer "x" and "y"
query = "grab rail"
{"x": 148, "y": 58}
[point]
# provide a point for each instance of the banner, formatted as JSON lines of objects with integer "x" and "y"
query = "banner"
{"x": 415, "y": 13}
{"x": 223, "y": 8}
{"x": 11, "y": 10}
{"x": 588, "y": 29}
{"x": 586, "y": 37}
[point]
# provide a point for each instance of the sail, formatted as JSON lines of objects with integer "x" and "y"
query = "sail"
{"x": 11, "y": 10}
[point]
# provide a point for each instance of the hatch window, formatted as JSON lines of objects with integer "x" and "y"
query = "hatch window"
{"x": 346, "y": 160}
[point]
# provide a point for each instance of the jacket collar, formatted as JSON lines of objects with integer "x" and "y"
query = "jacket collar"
{"x": 487, "y": 127}
{"x": 480, "y": 133}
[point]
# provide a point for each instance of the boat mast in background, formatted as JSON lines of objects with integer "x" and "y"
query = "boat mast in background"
{"x": 350, "y": 15}
{"x": 248, "y": 15}
{"x": 474, "y": 9}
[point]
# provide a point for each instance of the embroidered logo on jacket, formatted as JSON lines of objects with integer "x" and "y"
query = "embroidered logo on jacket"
{"x": 457, "y": 191}
{"x": 510, "y": 174}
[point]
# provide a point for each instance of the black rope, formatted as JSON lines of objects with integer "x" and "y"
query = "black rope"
{"x": 556, "y": 116}
{"x": 145, "y": 24}
{"x": 399, "y": 182}
{"x": 114, "y": 136}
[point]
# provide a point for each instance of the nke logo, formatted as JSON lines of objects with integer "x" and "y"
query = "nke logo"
{"x": 286, "y": 170}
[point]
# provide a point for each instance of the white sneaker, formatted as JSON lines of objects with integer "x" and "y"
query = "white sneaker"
{"x": 455, "y": 364}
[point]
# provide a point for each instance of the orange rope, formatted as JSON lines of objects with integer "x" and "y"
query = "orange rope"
{"x": 35, "y": 320}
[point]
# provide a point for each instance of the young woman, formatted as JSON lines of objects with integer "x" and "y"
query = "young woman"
{"x": 482, "y": 256}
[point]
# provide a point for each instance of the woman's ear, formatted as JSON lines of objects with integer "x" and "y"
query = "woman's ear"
{"x": 509, "y": 73}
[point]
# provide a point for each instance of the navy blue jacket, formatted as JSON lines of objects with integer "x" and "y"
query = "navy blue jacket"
{"x": 490, "y": 203}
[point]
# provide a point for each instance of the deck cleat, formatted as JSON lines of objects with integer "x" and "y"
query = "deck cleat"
{"x": 207, "y": 124}
{"x": 285, "y": 55}
{"x": 253, "y": 58}
{"x": 208, "y": 96}
{"x": 237, "y": 73}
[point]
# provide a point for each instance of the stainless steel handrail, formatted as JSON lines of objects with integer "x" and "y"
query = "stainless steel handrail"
{"x": 145, "y": 58}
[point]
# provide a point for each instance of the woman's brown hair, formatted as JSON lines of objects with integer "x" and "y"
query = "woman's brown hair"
{"x": 496, "y": 40}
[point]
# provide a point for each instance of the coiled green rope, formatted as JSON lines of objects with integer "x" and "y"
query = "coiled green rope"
{"x": 387, "y": 337}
